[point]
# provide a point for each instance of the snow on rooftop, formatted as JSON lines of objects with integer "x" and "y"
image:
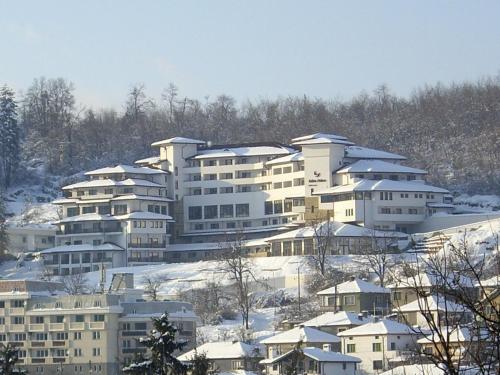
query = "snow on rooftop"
{"x": 328, "y": 356}
{"x": 341, "y": 318}
{"x": 451, "y": 334}
{"x": 150, "y": 160}
{"x": 87, "y": 217}
{"x": 178, "y": 140}
{"x": 297, "y": 156}
{"x": 374, "y": 165}
{"x": 322, "y": 140}
{"x": 140, "y": 197}
{"x": 221, "y": 350}
{"x": 431, "y": 303}
{"x": 337, "y": 229}
{"x": 301, "y": 334}
{"x": 491, "y": 282}
{"x": 381, "y": 327}
{"x": 354, "y": 286}
{"x": 425, "y": 279}
{"x": 382, "y": 185}
{"x": 122, "y": 168}
{"x": 82, "y": 247}
{"x": 144, "y": 215}
{"x": 109, "y": 182}
{"x": 358, "y": 152}
{"x": 318, "y": 135}
{"x": 243, "y": 151}
{"x": 420, "y": 369}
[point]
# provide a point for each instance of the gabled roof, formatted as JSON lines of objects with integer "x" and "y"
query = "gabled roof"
{"x": 381, "y": 327}
{"x": 382, "y": 185}
{"x": 297, "y": 156}
{"x": 318, "y": 135}
{"x": 82, "y": 247}
{"x": 354, "y": 286}
{"x": 178, "y": 140}
{"x": 150, "y": 160}
{"x": 431, "y": 303}
{"x": 358, "y": 152}
{"x": 378, "y": 166}
{"x": 317, "y": 355}
{"x": 228, "y": 151}
{"x": 451, "y": 334}
{"x": 322, "y": 140}
{"x": 109, "y": 182}
{"x": 221, "y": 350}
{"x": 122, "y": 168}
{"x": 331, "y": 319}
{"x": 301, "y": 334}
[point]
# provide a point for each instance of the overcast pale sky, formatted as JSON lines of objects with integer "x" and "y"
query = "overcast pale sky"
{"x": 247, "y": 49}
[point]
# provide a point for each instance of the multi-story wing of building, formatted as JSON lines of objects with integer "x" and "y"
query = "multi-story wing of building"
{"x": 193, "y": 193}
{"x": 81, "y": 334}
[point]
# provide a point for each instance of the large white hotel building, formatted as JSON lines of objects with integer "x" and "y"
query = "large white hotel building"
{"x": 185, "y": 200}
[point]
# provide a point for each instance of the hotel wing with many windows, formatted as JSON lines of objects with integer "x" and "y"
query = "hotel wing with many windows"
{"x": 182, "y": 203}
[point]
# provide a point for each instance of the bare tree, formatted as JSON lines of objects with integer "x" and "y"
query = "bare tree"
{"x": 152, "y": 286}
{"x": 234, "y": 262}
{"x": 75, "y": 283}
{"x": 464, "y": 328}
{"x": 323, "y": 244}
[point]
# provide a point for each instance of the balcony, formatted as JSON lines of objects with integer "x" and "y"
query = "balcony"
{"x": 147, "y": 260}
{"x": 17, "y": 328}
{"x": 96, "y": 325}
{"x": 38, "y": 360}
{"x": 58, "y": 360}
{"x": 37, "y": 344}
{"x": 59, "y": 343}
{"x": 56, "y": 326}
{"x": 38, "y": 327}
{"x": 76, "y": 326}
{"x": 2, "y": 328}
{"x": 16, "y": 311}
{"x": 161, "y": 245}
{"x": 69, "y": 231}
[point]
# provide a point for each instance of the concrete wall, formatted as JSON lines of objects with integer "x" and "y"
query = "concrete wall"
{"x": 449, "y": 222}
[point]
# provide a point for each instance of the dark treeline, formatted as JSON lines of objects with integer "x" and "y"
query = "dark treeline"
{"x": 452, "y": 131}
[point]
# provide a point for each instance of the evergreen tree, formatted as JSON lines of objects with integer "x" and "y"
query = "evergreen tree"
{"x": 8, "y": 359}
{"x": 162, "y": 344}
{"x": 4, "y": 239}
{"x": 9, "y": 136}
{"x": 200, "y": 365}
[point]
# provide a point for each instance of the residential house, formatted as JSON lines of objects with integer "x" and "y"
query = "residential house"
{"x": 334, "y": 323}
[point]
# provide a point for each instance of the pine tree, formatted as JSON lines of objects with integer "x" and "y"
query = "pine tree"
{"x": 200, "y": 365}
{"x": 9, "y": 136}
{"x": 4, "y": 238}
{"x": 162, "y": 344}
{"x": 8, "y": 359}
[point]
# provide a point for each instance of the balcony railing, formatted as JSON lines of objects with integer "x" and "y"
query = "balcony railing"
{"x": 38, "y": 327}
{"x": 89, "y": 230}
{"x": 76, "y": 326}
{"x": 96, "y": 325}
{"x": 38, "y": 360}
{"x": 161, "y": 245}
{"x": 59, "y": 343}
{"x": 37, "y": 344}
{"x": 56, "y": 326}
{"x": 17, "y": 328}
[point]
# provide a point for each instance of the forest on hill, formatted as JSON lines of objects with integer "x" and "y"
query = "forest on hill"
{"x": 453, "y": 131}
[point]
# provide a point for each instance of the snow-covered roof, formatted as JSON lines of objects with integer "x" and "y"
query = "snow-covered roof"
{"x": 431, "y": 303}
{"x": 382, "y": 185}
{"x": 358, "y": 152}
{"x": 322, "y": 139}
{"x": 331, "y": 319}
{"x": 141, "y": 197}
{"x": 374, "y": 165}
{"x": 144, "y": 215}
{"x": 82, "y": 247}
{"x": 491, "y": 282}
{"x": 337, "y": 229}
{"x": 450, "y": 334}
{"x": 65, "y": 200}
{"x": 316, "y": 354}
{"x": 178, "y": 140}
{"x": 301, "y": 334}
{"x": 297, "y": 156}
{"x": 123, "y": 168}
{"x": 354, "y": 286}
{"x": 87, "y": 217}
{"x": 425, "y": 279}
{"x": 108, "y": 182}
{"x": 150, "y": 160}
{"x": 221, "y": 350}
{"x": 318, "y": 135}
{"x": 381, "y": 327}
{"x": 243, "y": 151}
{"x": 424, "y": 369}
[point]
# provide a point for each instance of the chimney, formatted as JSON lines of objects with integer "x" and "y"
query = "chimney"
{"x": 327, "y": 347}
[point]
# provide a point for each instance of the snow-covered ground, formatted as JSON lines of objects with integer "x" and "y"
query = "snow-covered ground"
{"x": 477, "y": 203}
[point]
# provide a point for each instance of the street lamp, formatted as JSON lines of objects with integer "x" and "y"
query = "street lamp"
{"x": 299, "y": 264}
{"x": 273, "y": 270}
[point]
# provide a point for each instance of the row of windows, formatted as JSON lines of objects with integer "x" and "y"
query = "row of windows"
{"x": 234, "y": 225}
{"x": 278, "y": 206}
{"x": 394, "y": 177}
{"x": 152, "y": 223}
{"x": 111, "y": 191}
{"x": 383, "y": 196}
{"x": 398, "y": 211}
{"x": 222, "y": 211}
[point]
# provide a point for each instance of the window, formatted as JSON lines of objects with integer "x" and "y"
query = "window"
{"x": 226, "y": 190}
{"x": 77, "y": 335}
{"x": 377, "y": 365}
{"x": 96, "y": 335}
{"x": 268, "y": 208}
{"x": 287, "y": 170}
{"x": 351, "y": 348}
{"x": 393, "y": 346}
{"x": 247, "y": 224}
{"x": 277, "y": 171}
{"x": 226, "y": 210}
{"x": 211, "y": 212}
{"x": 209, "y": 163}
{"x": 413, "y": 211}
{"x": 349, "y": 300}
{"x": 377, "y": 347}
{"x": 194, "y": 213}
{"x": 228, "y": 161}
{"x": 120, "y": 209}
{"x": 17, "y": 320}
{"x": 108, "y": 191}
{"x": 198, "y": 226}
{"x": 72, "y": 211}
{"x": 17, "y": 303}
{"x": 99, "y": 317}
{"x": 231, "y": 225}
{"x": 214, "y": 225}
{"x": 104, "y": 210}
{"x": 226, "y": 176}
{"x": 278, "y": 207}
{"x": 349, "y": 212}
{"x": 96, "y": 352}
{"x": 277, "y": 185}
{"x": 288, "y": 205}
{"x": 210, "y": 177}
{"x": 242, "y": 210}
{"x": 385, "y": 210}
{"x": 210, "y": 191}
